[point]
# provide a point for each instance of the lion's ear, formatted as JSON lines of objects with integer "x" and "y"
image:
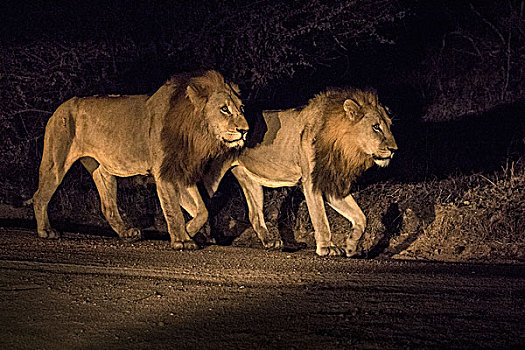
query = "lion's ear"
{"x": 197, "y": 94}
{"x": 351, "y": 107}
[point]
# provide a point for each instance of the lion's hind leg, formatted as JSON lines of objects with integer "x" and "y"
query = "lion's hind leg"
{"x": 51, "y": 175}
{"x": 107, "y": 190}
{"x": 57, "y": 158}
{"x": 253, "y": 191}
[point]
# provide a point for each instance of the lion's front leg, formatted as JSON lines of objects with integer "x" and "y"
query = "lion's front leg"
{"x": 168, "y": 193}
{"x": 191, "y": 201}
{"x": 348, "y": 208}
{"x": 322, "y": 234}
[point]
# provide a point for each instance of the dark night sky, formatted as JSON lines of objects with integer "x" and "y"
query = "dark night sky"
{"x": 22, "y": 21}
{"x": 33, "y": 19}
{"x": 155, "y": 22}
{"x": 144, "y": 21}
{"x": 85, "y": 19}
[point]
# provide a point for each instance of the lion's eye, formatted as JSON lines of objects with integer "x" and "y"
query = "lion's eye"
{"x": 376, "y": 127}
{"x": 225, "y": 109}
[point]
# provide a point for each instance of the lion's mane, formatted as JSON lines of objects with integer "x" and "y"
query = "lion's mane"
{"x": 186, "y": 140}
{"x": 338, "y": 160}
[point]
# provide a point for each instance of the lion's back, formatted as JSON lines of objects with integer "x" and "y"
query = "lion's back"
{"x": 111, "y": 109}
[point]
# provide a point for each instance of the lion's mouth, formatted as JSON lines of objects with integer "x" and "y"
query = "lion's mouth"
{"x": 234, "y": 139}
{"x": 381, "y": 158}
{"x": 382, "y": 161}
{"x": 234, "y": 143}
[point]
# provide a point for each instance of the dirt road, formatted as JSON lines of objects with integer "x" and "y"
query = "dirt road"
{"x": 94, "y": 292}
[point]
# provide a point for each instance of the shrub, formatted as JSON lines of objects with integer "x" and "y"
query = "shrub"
{"x": 479, "y": 65}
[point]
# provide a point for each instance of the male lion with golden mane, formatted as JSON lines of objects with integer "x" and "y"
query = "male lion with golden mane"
{"x": 324, "y": 147}
{"x": 171, "y": 135}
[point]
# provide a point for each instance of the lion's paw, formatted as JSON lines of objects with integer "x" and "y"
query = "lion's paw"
{"x": 184, "y": 245}
{"x": 352, "y": 252}
{"x": 49, "y": 233}
{"x": 330, "y": 251}
{"x": 273, "y": 244}
{"x": 132, "y": 234}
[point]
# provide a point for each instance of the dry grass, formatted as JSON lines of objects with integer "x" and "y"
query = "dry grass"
{"x": 461, "y": 218}
{"x": 488, "y": 222}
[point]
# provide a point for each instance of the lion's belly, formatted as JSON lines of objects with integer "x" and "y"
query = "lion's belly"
{"x": 118, "y": 156}
{"x": 124, "y": 166}
{"x": 271, "y": 181}
{"x": 118, "y": 164}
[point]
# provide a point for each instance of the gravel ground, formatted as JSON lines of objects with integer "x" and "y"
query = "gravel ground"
{"x": 94, "y": 292}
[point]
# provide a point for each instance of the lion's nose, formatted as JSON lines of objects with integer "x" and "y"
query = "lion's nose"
{"x": 392, "y": 146}
{"x": 242, "y": 131}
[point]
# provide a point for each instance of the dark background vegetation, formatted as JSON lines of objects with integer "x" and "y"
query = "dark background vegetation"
{"x": 452, "y": 72}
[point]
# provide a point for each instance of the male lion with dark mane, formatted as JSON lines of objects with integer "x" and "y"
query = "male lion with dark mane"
{"x": 171, "y": 135}
{"x": 324, "y": 147}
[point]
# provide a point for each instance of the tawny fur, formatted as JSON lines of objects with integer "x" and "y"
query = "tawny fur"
{"x": 323, "y": 147}
{"x": 170, "y": 135}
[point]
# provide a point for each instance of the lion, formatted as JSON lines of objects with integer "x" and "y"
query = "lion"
{"x": 324, "y": 147}
{"x": 171, "y": 136}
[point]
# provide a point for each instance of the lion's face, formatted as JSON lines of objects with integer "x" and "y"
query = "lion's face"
{"x": 225, "y": 114}
{"x": 222, "y": 108}
{"x": 373, "y": 130}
